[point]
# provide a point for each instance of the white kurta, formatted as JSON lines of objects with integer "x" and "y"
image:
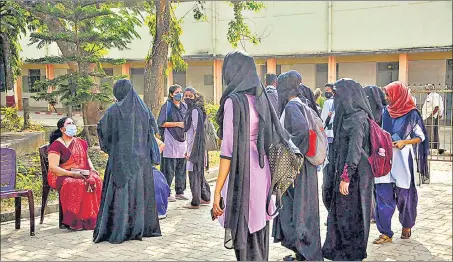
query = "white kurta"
{"x": 400, "y": 173}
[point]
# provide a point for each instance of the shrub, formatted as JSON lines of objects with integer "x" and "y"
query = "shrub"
{"x": 211, "y": 111}
{"x": 12, "y": 122}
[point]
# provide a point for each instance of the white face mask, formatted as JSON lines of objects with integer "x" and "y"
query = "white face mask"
{"x": 71, "y": 130}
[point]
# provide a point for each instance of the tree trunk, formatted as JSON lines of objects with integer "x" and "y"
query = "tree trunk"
{"x": 9, "y": 76}
{"x": 157, "y": 62}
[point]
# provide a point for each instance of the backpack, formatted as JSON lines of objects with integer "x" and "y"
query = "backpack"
{"x": 381, "y": 154}
{"x": 210, "y": 137}
{"x": 317, "y": 139}
{"x": 167, "y": 117}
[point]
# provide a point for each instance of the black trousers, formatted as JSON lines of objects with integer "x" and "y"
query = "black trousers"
{"x": 175, "y": 168}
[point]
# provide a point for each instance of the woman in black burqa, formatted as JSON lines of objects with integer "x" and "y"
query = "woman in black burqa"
{"x": 128, "y": 204}
{"x": 196, "y": 148}
{"x": 297, "y": 224}
{"x": 348, "y": 186}
{"x": 244, "y": 178}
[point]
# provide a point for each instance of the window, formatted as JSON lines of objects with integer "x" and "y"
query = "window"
{"x": 208, "y": 80}
{"x": 138, "y": 79}
{"x": 29, "y": 82}
{"x": 321, "y": 75}
{"x": 108, "y": 71}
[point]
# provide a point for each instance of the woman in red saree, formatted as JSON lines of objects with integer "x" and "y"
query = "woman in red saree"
{"x": 72, "y": 174}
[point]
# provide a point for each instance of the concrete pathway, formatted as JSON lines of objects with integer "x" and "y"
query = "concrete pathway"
{"x": 191, "y": 235}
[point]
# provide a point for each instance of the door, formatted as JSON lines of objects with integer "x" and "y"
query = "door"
{"x": 387, "y": 72}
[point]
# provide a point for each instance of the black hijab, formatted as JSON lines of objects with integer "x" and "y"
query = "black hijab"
{"x": 376, "y": 98}
{"x": 239, "y": 74}
{"x": 197, "y": 154}
{"x": 288, "y": 87}
{"x": 308, "y": 95}
{"x": 351, "y": 105}
{"x": 126, "y": 134}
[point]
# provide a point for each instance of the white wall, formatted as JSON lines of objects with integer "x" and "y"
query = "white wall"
{"x": 377, "y": 25}
{"x": 297, "y": 27}
{"x": 364, "y": 73}
{"x": 427, "y": 72}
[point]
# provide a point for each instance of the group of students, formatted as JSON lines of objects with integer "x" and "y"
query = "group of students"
{"x": 134, "y": 195}
{"x": 125, "y": 208}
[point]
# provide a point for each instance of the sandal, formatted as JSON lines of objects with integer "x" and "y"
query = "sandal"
{"x": 406, "y": 233}
{"x": 382, "y": 240}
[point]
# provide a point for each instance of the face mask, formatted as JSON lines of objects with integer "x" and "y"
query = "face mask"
{"x": 328, "y": 94}
{"x": 178, "y": 97}
{"x": 71, "y": 130}
{"x": 189, "y": 101}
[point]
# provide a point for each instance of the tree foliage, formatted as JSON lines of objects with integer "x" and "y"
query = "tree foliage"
{"x": 89, "y": 29}
{"x": 14, "y": 23}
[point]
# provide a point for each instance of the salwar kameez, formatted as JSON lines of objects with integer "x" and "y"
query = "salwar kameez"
{"x": 397, "y": 189}
{"x": 256, "y": 229}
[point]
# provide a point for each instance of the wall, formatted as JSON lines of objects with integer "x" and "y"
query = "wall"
{"x": 195, "y": 78}
{"x": 377, "y": 25}
{"x": 424, "y": 72}
{"x": 308, "y": 72}
{"x": 364, "y": 73}
{"x": 298, "y": 27}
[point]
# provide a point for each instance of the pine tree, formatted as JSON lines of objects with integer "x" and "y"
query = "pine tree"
{"x": 84, "y": 30}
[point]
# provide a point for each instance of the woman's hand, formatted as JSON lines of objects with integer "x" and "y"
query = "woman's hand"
{"x": 186, "y": 156}
{"x": 344, "y": 188}
{"x": 216, "y": 205}
{"x": 399, "y": 144}
{"x": 180, "y": 124}
{"x": 77, "y": 175}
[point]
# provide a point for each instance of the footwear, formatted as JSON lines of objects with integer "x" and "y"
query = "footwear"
{"x": 164, "y": 216}
{"x": 289, "y": 258}
{"x": 181, "y": 197}
{"x": 189, "y": 206}
{"x": 171, "y": 199}
{"x": 202, "y": 202}
{"x": 382, "y": 240}
{"x": 406, "y": 233}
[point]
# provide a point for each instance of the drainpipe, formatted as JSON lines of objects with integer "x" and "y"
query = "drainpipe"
{"x": 329, "y": 35}
{"x": 214, "y": 27}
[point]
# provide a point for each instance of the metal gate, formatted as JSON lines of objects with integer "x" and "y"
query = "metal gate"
{"x": 439, "y": 128}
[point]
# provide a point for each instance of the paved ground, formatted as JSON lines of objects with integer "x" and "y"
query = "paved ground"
{"x": 191, "y": 235}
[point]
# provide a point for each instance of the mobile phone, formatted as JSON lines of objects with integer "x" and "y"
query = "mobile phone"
{"x": 222, "y": 206}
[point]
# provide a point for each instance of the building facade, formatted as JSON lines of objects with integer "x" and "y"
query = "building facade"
{"x": 373, "y": 42}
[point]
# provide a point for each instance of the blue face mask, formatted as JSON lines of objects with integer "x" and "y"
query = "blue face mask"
{"x": 71, "y": 130}
{"x": 178, "y": 97}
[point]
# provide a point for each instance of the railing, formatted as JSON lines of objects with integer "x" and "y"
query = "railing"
{"x": 439, "y": 127}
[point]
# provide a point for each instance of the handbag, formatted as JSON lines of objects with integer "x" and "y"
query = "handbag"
{"x": 285, "y": 162}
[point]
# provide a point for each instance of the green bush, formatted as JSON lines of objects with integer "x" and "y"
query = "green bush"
{"x": 12, "y": 122}
{"x": 211, "y": 111}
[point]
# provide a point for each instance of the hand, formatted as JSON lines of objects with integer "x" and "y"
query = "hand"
{"x": 330, "y": 113}
{"x": 180, "y": 124}
{"x": 216, "y": 205}
{"x": 77, "y": 175}
{"x": 186, "y": 156}
{"x": 344, "y": 188}
{"x": 399, "y": 144}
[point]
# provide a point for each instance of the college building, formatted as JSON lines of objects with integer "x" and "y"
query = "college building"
{"x": 373, "y": 42}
